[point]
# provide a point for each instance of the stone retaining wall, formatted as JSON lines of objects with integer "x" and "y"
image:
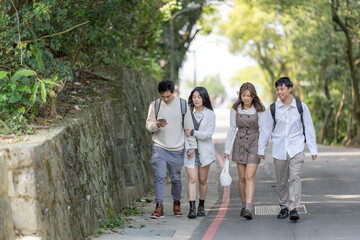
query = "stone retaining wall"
{"x": 84, "y": 170}
{"x": 6, "y": 223}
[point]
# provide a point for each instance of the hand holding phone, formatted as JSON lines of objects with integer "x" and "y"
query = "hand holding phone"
{"x": 161, "y": 122}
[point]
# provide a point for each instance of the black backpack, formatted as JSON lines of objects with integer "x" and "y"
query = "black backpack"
{"x": 182, "y": 106}
{"x": 300, "y": 110}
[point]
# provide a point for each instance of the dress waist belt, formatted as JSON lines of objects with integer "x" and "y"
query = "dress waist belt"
{"x": 244, "y": 132}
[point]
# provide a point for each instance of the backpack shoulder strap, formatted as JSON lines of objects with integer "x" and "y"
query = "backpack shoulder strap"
{"x": 300, "y": 110}
{"x": 157, "y": 107}
{"x": 272, "y": 110}
{"x": 299, "y": 106}
{"x": 183, "y": 109}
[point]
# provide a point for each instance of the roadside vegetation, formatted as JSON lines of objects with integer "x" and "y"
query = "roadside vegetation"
{"x": 48, "y": 48}
{"x": 123, "y": 219}
{"x": 317, "y": 44}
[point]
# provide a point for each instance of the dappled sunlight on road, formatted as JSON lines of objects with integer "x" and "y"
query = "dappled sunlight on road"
{"x": 333, "y": 154}
{"x": 341, "y": 196}
{"x": 309, "y": 179}
{"x": 331, "y": 198}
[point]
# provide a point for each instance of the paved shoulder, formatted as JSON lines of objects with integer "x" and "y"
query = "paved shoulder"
{"x": 169, "y": 227}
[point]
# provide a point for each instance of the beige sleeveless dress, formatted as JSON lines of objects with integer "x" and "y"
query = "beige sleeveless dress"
{"x": 246, "y": 140}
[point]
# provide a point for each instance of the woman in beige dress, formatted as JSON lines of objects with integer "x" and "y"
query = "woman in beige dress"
{"x": 242, "y": 142}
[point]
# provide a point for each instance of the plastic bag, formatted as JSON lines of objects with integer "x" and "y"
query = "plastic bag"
{"x": 225, "y": 178}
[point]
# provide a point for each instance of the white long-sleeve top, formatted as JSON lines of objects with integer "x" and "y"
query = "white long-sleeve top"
{"x": 288, "y": 134}
{"x": 230, "y": 137}
{"x": 204, "y": 138}
{"x": 171, "y": 137}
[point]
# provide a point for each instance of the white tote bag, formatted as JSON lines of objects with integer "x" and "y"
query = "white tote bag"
{"x": 225, "y": 178}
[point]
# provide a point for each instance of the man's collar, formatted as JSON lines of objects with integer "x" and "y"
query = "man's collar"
{"x": 293, "y": 102}
{"x": 281, "y": 104}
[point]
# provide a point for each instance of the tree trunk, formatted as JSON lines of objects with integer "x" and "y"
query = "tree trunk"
{"x": 323, "y": 132}
{"x": 347, "y": 138}
{"x": 299, "y": 89}
{"x": 336, "y": 128}
{"x": 330, "y": 109}
{"x": 266, "y": 66}
{"x": 354, "y": 81}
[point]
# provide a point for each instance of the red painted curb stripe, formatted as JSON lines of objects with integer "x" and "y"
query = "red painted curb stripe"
{"x": 210, "y": 232}
{"x": 219, "y": 158}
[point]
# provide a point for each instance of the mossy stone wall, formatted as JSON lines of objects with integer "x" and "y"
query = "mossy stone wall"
{"x": 62, "y": 182}
{"x": 6, "y": 223}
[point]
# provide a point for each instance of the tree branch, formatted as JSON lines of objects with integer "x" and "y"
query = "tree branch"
{"x": 18, "y": 26}
{"x": 192, "y": 38}
{"x": 5, "y": 125}
{"x": 356, "y": 63}
{"x": 56, "y": 34}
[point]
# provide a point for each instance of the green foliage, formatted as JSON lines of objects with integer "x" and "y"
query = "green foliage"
{"x": 15, "y": 123}
{"x": 105, "y": 224}
{"x": 208, "y": 19}
{"x": 20, "y": 93}
{"x": 23, "y": 91}
{"x": 65, "y": 35}
{"x": 56, "y": 38}
{"x": 169, "y": 7}
{"x": 300, "y": 39}
{"x": 118, "y": 221}
{"x": 59, "y": 38}
{"x": 257, "y": 32}
{"x": 185, "y": 19}
{"x": 131, "y": 211}
{"x": 213, "y": 85}
{"x": 252, "y": 74}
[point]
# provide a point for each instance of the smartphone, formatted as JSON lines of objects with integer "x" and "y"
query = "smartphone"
{"x": 162, "y": 120}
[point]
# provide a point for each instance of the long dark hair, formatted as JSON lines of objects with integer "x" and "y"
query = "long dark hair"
{"x": 255, "y": 102}
{"x": 205, "y": 98}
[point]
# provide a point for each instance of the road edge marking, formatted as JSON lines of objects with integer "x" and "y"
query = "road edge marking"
{"x": 210, "y": 232}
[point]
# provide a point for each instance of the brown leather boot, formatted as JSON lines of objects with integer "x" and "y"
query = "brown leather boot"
{"x": 159, "y": 211}
{"x": 176, "y": 208}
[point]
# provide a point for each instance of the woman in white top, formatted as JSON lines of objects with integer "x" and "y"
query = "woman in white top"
{"x": 242, "y": 142}
{"x": 197, "y": 167}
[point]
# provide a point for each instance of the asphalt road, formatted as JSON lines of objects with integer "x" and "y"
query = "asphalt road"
{"x": 330, "y": 199}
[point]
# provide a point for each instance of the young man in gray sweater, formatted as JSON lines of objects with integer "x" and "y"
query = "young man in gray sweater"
{"x": 166, "y": 121}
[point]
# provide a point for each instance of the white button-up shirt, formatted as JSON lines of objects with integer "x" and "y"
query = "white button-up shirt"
{"x": 288, "y": 134}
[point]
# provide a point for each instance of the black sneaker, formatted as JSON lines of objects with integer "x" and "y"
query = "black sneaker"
{"x": 201, "y": 211}
{"x": 284, "y": 213}
{"x": 294, "y": 215}
{"x": 242, "y": 212}
{"x": 247, "y": 214}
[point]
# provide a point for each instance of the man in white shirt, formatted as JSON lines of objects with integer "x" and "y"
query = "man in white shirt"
{"x": 167, "y": 126}
{"x": 288, "y": 143}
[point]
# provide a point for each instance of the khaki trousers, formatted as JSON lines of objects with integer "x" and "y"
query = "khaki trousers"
{"x": 288, "y": 174}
